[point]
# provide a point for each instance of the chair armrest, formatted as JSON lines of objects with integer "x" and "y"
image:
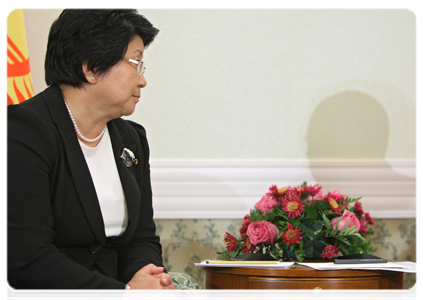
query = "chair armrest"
{"x": 191, "y": 295}
{"x": 188, "y": 287}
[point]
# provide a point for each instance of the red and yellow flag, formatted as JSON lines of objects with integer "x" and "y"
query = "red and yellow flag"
{"x": 19, "y": 83}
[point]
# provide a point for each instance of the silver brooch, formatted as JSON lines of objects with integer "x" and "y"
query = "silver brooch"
{"x": 128, "y": 158}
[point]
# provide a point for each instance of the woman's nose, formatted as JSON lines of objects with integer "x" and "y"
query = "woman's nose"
{"x": 142, "y": 82}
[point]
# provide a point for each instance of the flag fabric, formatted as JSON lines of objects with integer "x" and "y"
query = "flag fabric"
{"x": 19, "y": 82}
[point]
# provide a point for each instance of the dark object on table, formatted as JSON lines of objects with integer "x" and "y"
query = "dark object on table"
{"x": 359, "y": 258}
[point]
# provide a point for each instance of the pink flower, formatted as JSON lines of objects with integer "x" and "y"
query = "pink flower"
{"x": 347, "y": 216}
{"x": 244, "y": 226}
{"x": 293, "y": 206}
{"x": 358, "y": 207}
{"x": 230, "y": 242}
{"x": 266, "y": 204}
{"x": 330, "y": 252}
{"x": 318, "y": 196}
{"x": 292, "y": 235}
{"x": 262, "y": 232}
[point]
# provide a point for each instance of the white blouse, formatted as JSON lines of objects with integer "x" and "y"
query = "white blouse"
{"x": 107, "y": 184}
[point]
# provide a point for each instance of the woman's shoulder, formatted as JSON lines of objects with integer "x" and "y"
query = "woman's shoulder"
{"x": 33, "y": 108}
{"x": 29, "y": 116}
{"x": 29, "y": 123}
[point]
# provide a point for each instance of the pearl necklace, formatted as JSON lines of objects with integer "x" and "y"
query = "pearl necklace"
{"x": 79, "y": 133}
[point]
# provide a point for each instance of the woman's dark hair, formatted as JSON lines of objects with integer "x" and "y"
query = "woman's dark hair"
{"x": 97, "y": 37}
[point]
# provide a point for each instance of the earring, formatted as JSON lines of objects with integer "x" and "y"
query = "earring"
{"x": 93, "y": 78}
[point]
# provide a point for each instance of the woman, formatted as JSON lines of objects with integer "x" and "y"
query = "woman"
{"x": 79, "y": 194}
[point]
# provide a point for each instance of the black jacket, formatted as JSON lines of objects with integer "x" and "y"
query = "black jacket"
{"x": 56, "y": 236}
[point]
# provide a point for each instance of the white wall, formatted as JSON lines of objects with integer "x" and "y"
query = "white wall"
{"x": 246, "y": 84}
{"x": 243, "y": 83}
{"x": 238, "y": 100}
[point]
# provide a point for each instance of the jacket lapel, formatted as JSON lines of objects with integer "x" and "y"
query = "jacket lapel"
{"x": 76, "y": 161}
{"x": 120, "y": 140}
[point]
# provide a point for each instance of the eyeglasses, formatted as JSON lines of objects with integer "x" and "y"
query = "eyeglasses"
{"x": 140, "y": 65}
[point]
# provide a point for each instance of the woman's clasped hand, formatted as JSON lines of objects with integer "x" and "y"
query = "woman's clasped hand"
{"x": 150, "y": 283}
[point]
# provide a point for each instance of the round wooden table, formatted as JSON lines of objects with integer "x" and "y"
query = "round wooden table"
{"x": 300, "y": 277}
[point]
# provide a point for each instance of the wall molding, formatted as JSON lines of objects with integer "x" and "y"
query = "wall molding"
{"x": 228, "y": 189}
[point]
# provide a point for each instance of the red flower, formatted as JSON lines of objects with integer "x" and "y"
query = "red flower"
{"x": 368, "y": 217}
{"x": 334, "y": 198}
{"x": 292, "y": 193}
{"x": 272, "y": 190}
{"x": 276, "y": 193}
{"x": 248, "y": 247}
{"x": 244, "y": 226}
{"x": 293, "y": 206}
{"x": 313, "y": 190}
{"x": 363, "y": 226}
{"x": 358, "y": 207}
{"x": 330, "y": 252}
{"x": 299, "y": 190}
{"x": 292, "y": 235}
{"x": 336, "y": 195}
{"x": 333, "y": 205}
{"x": 230, "y": 242}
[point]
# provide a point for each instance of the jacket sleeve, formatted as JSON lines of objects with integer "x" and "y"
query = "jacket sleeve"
{"x": 33, "y": 260}
{"x": 144, "y": 247}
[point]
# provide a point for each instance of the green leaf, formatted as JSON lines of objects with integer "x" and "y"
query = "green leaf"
{"x": 346, "y": 201}
{"x": 275, "y": 252}
{"x": 327, "y": 222}
{"x": 320, "y": 205}
{"x": 313, "y": 248}
{"x": 344, "y": 228}
{"x": 311, "y": 228}
{"x": 350, "y": 230}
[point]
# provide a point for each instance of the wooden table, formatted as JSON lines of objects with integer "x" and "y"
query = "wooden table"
{"x": 300, "y": 277}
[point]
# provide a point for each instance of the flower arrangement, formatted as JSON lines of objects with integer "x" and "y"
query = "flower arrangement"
{"x": 300, "y": 223}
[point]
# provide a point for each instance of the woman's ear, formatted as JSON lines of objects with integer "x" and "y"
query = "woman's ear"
{"x": 90, "y": 75}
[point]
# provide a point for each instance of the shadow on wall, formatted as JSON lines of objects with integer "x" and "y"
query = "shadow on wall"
{"x": 348, "y": 125}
